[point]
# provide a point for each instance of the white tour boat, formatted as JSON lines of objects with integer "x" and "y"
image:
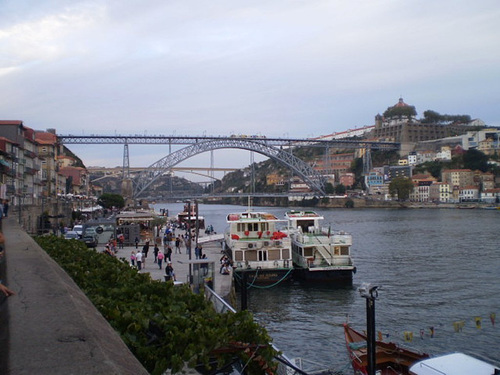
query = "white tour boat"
{"x": 260, "y": 252}
{"x": 319, "y": 254}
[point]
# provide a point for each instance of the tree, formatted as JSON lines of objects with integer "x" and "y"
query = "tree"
{"x": 110, "y": 200}
{"x": 329, "y": 189}
{"x": 340, "y": 189}
{"x": 475, "y": 160}
{"x": 402, "y": 187}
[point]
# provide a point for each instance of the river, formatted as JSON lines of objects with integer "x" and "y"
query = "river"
{"x": 434, "y": 267}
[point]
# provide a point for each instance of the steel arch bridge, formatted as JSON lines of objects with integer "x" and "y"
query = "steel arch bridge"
{"x": 312, "y": 178}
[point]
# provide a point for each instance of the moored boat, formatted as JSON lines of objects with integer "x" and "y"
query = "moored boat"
{"x": 453, "y": 364}
{"x": 390, "y": 358}
{"x": 319, "y": 254}
{"x": 189, "y": 219}
{"x": 260, "y": 252}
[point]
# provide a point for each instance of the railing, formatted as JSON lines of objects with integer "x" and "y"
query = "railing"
{"x": 285, "y": 365}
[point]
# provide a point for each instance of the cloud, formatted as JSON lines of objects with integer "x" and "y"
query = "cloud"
{"x": 296, "y": 67}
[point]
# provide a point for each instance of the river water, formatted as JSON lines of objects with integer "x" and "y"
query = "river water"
{"x": 434, "y": 267}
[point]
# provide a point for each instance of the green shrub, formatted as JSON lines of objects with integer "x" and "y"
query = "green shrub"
{"x": 164, "y": 326}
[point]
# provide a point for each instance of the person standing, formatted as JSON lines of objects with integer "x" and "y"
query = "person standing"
{"x": 5, "y": 207}
{"x": 138, "y": 259}
{"x": 132, "y": 258}
{"x": 145, "y": 249}
{"x": 177, "y": 245}
{"x": 136, "y": 242}
{"x": 160, "y": 259}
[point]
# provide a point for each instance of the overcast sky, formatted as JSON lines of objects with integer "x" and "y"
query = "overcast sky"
{"x": 281, "y": 68}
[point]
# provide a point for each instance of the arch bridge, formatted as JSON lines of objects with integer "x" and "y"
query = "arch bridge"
{"x": 278, "y": 149}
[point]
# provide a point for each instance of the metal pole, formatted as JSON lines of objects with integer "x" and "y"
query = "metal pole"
{"x": 188, "y": 223}
{"x": 244, "y": 297}
{"x": 371, "y": 294}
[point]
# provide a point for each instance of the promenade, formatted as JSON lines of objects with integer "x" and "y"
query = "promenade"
{"x": 50, "y": 327}
{"x": 211, "y": 246}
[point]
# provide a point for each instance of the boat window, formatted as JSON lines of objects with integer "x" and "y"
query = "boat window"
{"x": 265, "y": 226}
{"x": 251, "y": 255}
{"x": 308, "y": 252}
{"x": 238, "y": 256}
{"x": 285, "y": 253}
{"x": 263, "y": 255}
{"x": 344, "y": 250}
{"x": 337, "y": 250}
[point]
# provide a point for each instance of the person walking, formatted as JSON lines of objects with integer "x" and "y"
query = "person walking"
{"x": 136, "y": 242}
{"x": 160, "y": 259}
{"x": 156, "y": 250}
{"x": 132, "y": 258}
{"x": 168, "y": 254}
{"x": 138, "y": 259}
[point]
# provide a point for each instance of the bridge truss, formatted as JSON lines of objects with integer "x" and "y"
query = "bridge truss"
{"x": 279, "y": 149}
{"x": 305, "y": 171}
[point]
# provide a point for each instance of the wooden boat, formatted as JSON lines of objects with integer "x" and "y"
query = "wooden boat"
{"x": 390, "y": 358}
{"x": 319, "y": 254}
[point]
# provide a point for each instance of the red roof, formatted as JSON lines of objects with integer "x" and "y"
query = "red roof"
{"x": 10, "y": 122}
{"x": 45, "y": 137}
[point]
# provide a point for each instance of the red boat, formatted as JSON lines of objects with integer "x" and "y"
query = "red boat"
{"x": 390, "y": 358}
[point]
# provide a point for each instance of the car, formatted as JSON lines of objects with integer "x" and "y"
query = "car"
{"x": 78, "y": 229}
{"x": 90, "y": 240}
{"x": 71, "y": 235}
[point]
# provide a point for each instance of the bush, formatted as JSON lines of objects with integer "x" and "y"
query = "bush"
{"x": 164, "y": 326}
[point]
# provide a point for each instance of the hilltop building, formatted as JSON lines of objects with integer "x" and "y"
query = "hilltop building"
{"x": 399, "y": 124}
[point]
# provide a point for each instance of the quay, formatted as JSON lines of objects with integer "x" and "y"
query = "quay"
{"x": 50, "y": 327}
{"x": 212, "y": 246}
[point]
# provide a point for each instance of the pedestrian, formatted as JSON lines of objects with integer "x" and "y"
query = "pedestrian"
{"x": 177, "y": 245}
{"x": 5, "y": 207}
{"x": 136, "y": 242}
{"x": 168, "y": 255}
{"x": 169, "y": 272}
{"x": 138, "y": 259}
{"x": 160, "y": 259}
{"x": 145, "y": 249}
{"x": 132, "y": 258}
{"x": 121, "y": 240}
{"x": 155, "y": 252}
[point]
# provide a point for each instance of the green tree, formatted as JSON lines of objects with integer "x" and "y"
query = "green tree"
{"x": 401, "y": 187}
{"x": 329, "y": 189}
{"x": 340, "y": 189}
{"x": 475, "y": 160}
{"x": 110, "y": 200}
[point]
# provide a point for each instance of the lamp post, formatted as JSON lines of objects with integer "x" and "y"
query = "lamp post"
{"x": 370, "y": 292}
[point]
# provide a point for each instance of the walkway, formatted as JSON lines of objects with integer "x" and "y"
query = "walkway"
{"x": 212, "y": 247}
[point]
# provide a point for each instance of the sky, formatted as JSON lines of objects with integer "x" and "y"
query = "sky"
{"x": 280, "y": 68}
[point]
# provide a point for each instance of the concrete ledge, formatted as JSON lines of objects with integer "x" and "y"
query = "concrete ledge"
{"x": 52, "y": 326}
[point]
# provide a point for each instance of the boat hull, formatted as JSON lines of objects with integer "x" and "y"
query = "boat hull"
{"x": 262, "y": 277}
{"x": 390, "y": 358}
{"x": 324, "y": 275}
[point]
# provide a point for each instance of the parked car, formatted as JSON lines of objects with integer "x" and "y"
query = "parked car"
{"x": 78, "y": 229}
{"x": 90, "y": 240}
{"x": 71, "y": 235}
